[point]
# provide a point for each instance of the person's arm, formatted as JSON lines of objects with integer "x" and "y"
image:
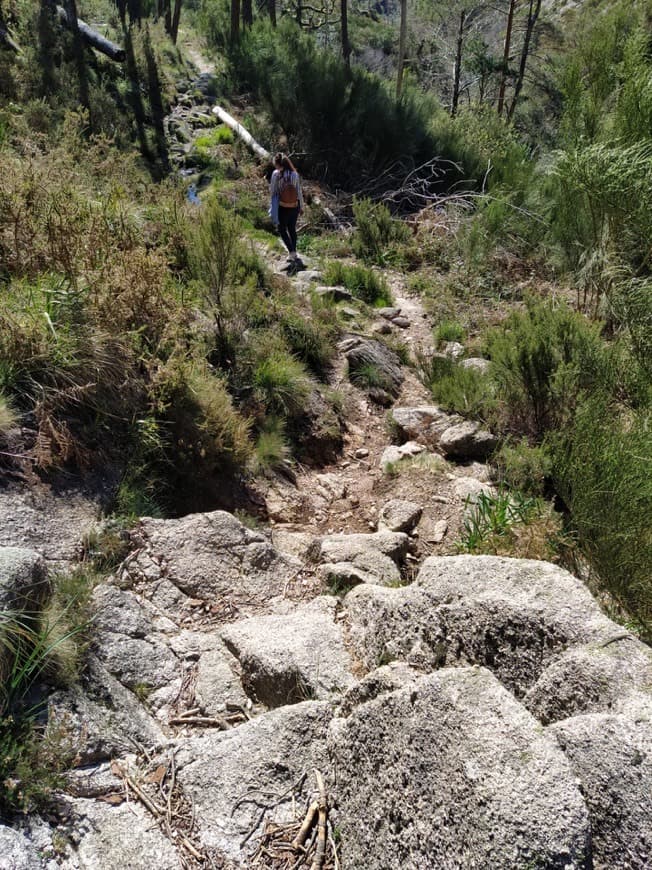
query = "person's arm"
{"x": 273, "y": 183}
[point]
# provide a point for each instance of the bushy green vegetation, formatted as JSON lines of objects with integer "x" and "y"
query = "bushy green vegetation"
{"x": 348, "y": 124}
{"x": 37, "y": 648}
{"x": 583, "y": 405}
{"x": 378, "y": 236}
{"x": 366, "y": 284}
{"x": 138, "y": 329}
{"x": 509, "y": 523}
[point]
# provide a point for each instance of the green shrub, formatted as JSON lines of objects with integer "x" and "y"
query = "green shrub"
{"x": 602, "y": 469}
{"x": 348, "y": 123}
{"x": 543, "y": 360}
{"x": 522, "y": 467}
{"x": 205, "y": 435}
{"x": 448, "y": 330}
{"x": 464, "y": 390}
{"x": 377, "y": 234}
{"x": 512, "y": 524}
{"x": 365, "y": 284}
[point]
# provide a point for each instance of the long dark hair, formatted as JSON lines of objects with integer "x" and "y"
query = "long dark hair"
{"x": 284, "y": 162}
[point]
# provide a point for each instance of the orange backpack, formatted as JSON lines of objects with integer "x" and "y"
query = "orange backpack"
{"x": 288, "y": 196}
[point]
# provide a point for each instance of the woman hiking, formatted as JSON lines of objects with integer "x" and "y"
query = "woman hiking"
{"x": 287, "y": 201}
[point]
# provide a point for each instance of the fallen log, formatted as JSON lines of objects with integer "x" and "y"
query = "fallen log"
{"x": 7, "y": 41}
{"x": 241, "y": 133}
{"x": 92, "y": 37}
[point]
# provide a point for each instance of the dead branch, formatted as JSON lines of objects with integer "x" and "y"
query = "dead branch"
{"x": 322, "y": 824}
{"x": 306, "y": 826}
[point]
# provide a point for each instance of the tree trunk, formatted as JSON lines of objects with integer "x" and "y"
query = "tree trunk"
{"x": 401, "y": 49}
{"x": 93, "y": 38}
{"x": 533, "y": 15}
{"x": 73, "y": 24}
{"x": 458, "y": 64}
{"x": 176, "y": 15}
{"x": 247, "y": 13}
{"x": 235, "y": 21}
{"x": 506, "y": 50}
{"x": 271, "y": 5}
{"x": 346, "y": 45}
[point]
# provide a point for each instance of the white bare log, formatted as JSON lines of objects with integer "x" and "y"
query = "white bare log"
{"x": 241, "y": 133}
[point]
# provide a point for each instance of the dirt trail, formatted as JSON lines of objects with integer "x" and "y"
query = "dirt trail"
{"x": 347, "y": 495}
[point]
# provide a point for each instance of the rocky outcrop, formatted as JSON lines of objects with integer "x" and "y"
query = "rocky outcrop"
{"x": 424, "y": 424}
{"x": 24, "y": 582}
{"x": 210, "y": 556}
{"x": 383, "y": 625}
{"x": 105, "y": 836}
{"x": 380, "y": 365}
{"x": 514, "y": 616}
{"x": 451, "y": 771}
{"x": 229, "y": 775}
{"x": 18, "y": 851}
{"x": 612, "y": 676}
{"x": 291, "y": 657}
{"x": 375, "y": 558}
{"x": 467, "y": 441}
{"x": 102, "y": 719}
{"x": 611, "y": 755}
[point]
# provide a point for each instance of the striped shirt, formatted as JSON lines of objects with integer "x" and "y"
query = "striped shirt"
{"x": 275, "y": 184}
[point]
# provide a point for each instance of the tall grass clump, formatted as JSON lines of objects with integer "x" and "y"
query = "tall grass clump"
{"x": 364, "y": 283}
{"x": 35, "y": 646}
{"x": 464, "y": 390}
{"x": 281, "y": 382}
{"x": 8, "y": 417}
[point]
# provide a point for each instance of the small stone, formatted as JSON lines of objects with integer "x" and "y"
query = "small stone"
{"x": 388, "y": 313}
{"x": 454, "y": 349}
{"x": 401, "y": 322}
{"x": 439, "y": 532}
{"x": 361, "y": 453}
{"x": 400, "y": 516}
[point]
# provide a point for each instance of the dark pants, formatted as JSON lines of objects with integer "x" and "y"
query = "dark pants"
{"x": 287, "y": 223}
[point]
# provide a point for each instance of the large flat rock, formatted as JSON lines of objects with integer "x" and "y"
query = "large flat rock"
{"x": 230, "y": 775}
{"x": 515, "y": 616}
{"x": 612, "y": 757}
{"x": 211, "y": 556}
{"x": 451, "y": 771}
{"x": 288, "y": 658}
